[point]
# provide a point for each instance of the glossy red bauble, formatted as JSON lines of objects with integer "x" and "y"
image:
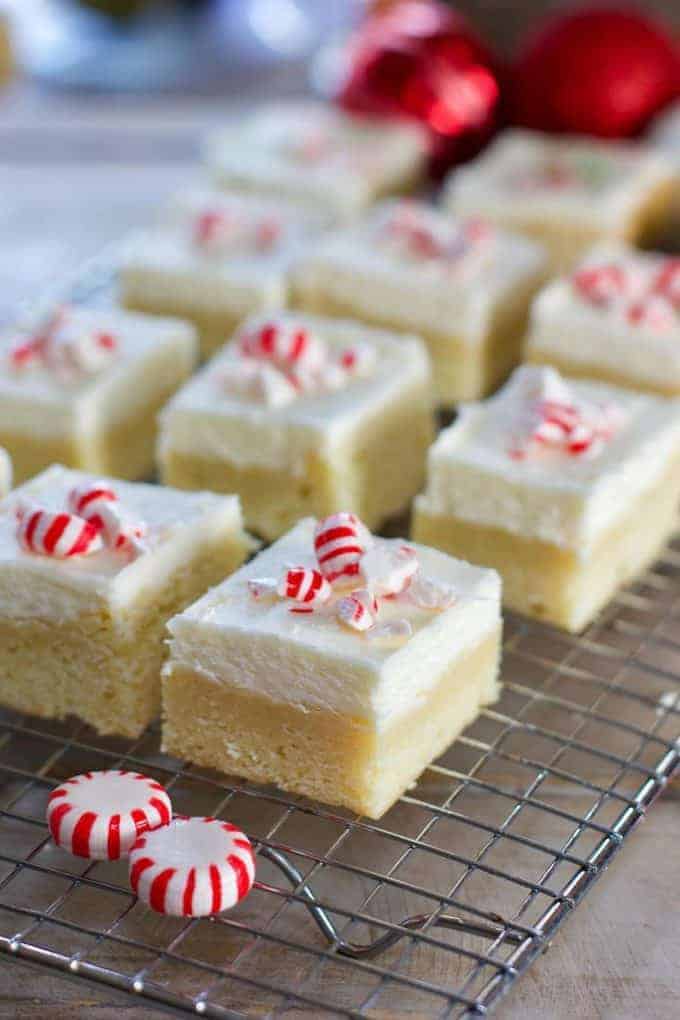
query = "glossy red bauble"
{"x": 420, "y": 59}
{"x": 602, "y": 71}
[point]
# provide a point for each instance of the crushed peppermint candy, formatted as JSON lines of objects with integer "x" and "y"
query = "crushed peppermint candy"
{"x": 357, "y": 610}
{"x": 221, "y": 232}
{"x": 58, "y": 535}
{"x": 97, "y": 502}
{"x": 552, "y": 419}
{"x": 280, "y": 360}
{"x": 385, "y": 572}
{"x": 427, "y": 593}
{"x": 413, "y": 231}
{"x": 305, "y": 586}
{"x": 388, "y": 567}
{"x": 649, "y": 298}
{"x": 65, "y": 349}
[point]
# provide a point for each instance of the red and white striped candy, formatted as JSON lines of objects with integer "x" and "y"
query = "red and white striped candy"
{"x": 193, "y": 867}
{"x": 601, "y": 284}
{"x": 60, "y": 535}
{"x": 667, "y": 282}
{"x": 306, "y": 586}
{"x": 98, "y": 503}
{"x": 387, "y": 567}
{"x": 290, "y": 347}
{"x": 339, "y": 542}
{"x": 357, "y": 610}
{"x": 102, "y": 814}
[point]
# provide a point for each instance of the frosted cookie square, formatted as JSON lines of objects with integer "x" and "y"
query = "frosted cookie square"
{"x": 318, "y": 155}
{"x": 567, "y": 192}
{"x": 215, "y": 259}
{"x": 463, "y": 285}
{"x": 83, "y": 387}
{"x": 615, "y": 318}
{"x": 304, "y": 415}
{"x": 341, "y": 686}
{"x": 567, "y": 488}
{"x": 90, "y": 571}
{"x": 5, "y": 472}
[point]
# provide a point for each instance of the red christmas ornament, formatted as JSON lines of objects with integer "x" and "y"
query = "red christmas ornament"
{"x": 419, "y": 59}
{"x": 600, "y": 71}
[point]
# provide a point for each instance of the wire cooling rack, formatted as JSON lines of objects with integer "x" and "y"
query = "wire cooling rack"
{"x": 434, "y": 910}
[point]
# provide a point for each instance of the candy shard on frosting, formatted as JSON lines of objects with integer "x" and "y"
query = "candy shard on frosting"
{"x": 259, "y": 381}
{"x": 388, "y": 567}
{"x": 427, "y": 593}
{"x": 357, "y": 610}
{"x": 549, "y": 418}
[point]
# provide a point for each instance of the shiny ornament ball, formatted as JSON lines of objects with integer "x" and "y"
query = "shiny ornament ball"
{"x": 419, "y": 59}
{"x": 600, "y": 71}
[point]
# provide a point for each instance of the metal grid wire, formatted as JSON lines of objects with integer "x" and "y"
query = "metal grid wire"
{"x": 432, "y": 911}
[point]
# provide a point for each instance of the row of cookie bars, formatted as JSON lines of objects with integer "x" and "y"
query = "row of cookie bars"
{"x": 334, "y": 664}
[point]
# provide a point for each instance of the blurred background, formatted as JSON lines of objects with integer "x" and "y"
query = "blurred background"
{"x": 103, "y": 102}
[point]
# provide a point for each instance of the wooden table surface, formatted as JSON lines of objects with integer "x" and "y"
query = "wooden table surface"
{"x": 76, "y": 175}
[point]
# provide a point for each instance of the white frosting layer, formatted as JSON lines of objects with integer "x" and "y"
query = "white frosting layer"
{"x": 312, "y": 660}
{"x": 5, "y": 472}
{"x": 33, "y": 586}
{"x": 622, "y": 177}
{"x": 359, "y": 268}
{"x": 318, "y": 155}
{"x": 149, "y": 349}
{"x": 566, "y": 325}
{"x": 555, "y": 497}
{"x": 204, "y": 418}
{"x": 167, "y": 264}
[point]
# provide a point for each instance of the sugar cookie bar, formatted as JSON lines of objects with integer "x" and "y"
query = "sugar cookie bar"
{"x": 567, "y": 192}
{"x": 318, "y": 155}
{"x": 462, "y": 285}
{"x": 567, "y": 488}
{"x": 615, "y": 318}
{"x": 216, "y": 258}
{"x": 83, "y": 386}
{"x": 90, "y": 571}
{"x": 303, "y": 415}
{"x": 334, "y": 664}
